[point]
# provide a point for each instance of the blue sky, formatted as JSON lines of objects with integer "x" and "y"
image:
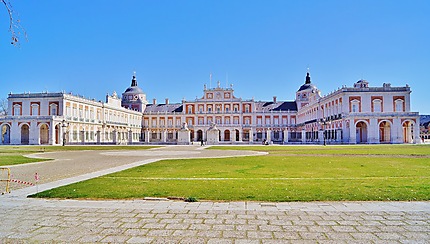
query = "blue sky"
{"x": 263, "y": 47}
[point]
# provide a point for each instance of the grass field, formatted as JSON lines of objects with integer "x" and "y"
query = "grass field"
{"x": 12, "y": 155}
{"x": 288, "y": 173}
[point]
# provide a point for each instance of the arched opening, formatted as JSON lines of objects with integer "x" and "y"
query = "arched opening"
{"x": 57, "y": 134}
{"x": 25, "y": 134}
{"x": 407, "y": 132}
{"x": 192, "y": 135}
{"x": 384, "y": 132}
{"x": 237, "y": 135}
{"x": 361, "y": 132}
{"x": 5, "y": 134}
{"x": 199, "y": 135}
{"x": 44, "y": 134}
{"x": 226, "y": 135}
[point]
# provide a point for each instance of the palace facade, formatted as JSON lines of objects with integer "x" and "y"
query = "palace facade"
{"x": 349, "y": 115}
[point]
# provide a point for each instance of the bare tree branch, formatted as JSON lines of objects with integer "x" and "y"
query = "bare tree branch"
{"x": 3, "y": 106}
{"x": 15, "y": 27}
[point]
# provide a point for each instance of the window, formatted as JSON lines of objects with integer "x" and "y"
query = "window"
{"x": 190, "y": 109}
{"x": 218, "y": 109}
{"x": 227, "y": 109}
{"x": 267, "y": 121}
{"x": 35, "y": 109}
{"x": 17, "y": 109}
{"x": 377, "y": 105}
{"x": 355, "y": 106}
{"x": 399, "y": 105}
{"x": 236, "y": 108}
{"x": 190, "y": 122}
{"x": 210, "y": 109}
{"x": 54, "y": 109}
{"x": 227, "y": 121}
{"x": 218, "y": 121}
{"x": 284, "y": 121}
{"x": 154, "y": 122}
{"x": 247, "y": 121}
{"x": 259, "y": 121}
{"x": 247, "y": 109}
{"x": 236, "y": 121}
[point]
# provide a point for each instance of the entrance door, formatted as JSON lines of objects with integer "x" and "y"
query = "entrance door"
{"x": 25, "y": 135}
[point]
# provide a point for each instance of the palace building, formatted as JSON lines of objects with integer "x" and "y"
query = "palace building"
{"x": 349, "y": 115}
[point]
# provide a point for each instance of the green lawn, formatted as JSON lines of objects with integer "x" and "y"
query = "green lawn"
{"x": 299, "y": 173}
{"x": 12, "y": 155}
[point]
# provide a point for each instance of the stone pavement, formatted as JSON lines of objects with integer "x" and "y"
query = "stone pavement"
{"x": 26, "y": 220}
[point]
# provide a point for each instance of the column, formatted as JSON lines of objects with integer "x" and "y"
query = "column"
{"x": 321, "y": 136}
{"x": 268, "y": 135}
{"x": 303, "y": 135}
{"x": 130, "y": 137}
{"x": 352, "y": 133}
{"x": 286, "y": 135}
{"x": 82, "y": 134}
{"x": 52, "y": 133}
{"x": 114, "y": 136}
{"x": 251, "y": 136}
{"x": 164, "y": 135}
{"x": 338, "y": 135}
{"x": 373, "y": 131}
{"x": 147, "y": 134}
{"x": 417, "y": 139}
{"x": 98, "y": 137}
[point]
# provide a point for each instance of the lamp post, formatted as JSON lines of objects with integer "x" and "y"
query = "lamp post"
{"x": 325, "y": 122}
{"x": 64, "y": 125}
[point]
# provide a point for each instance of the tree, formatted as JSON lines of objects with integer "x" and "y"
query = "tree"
{"x": 15, "y": 28}
{"x": 3, "y": 106}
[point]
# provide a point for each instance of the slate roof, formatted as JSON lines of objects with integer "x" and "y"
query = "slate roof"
{"x": 275, "y": 106}
{"x": 162, "y": 108}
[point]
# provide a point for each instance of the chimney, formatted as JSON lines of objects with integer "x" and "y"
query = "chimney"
{"x": 274, "y": 99}
{"x": 167, "y": 101}
{"x": 154, "y": 101}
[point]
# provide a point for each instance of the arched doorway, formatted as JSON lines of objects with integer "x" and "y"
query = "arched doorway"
{"x": 384, "y": 132}
{"x": 237, "y": 135}
{"x": 57, "y": 134}
{"x": 226, "y": 135}
{"x": 199, "y": 135}
{"x": 5, "y": 134}
{"x": 192, "y": 135}
{"x": 361, "y": 132}
{"x": 25, "y": 134}
{"x": 407, "y": 131}
{"x": 44, "y": 134}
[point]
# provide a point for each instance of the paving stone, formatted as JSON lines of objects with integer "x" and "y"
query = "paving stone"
{"x": 364, "y": 236}
{"x": 220, "y": 241}
{"x": 344, "y": 228}
{"x": 246, "y": 241}
{"x": 259, "y": 234}
{"x": 115, "y": 239}
{"x": 140, "y": 239}
{"x": 223, "y": 227}
{"x": 388, "y": 236}
{"x": 160, "y": 232}
{"x": 286, "y": 235}
{"x": 136, "y": 232}
{"x": 234, "y": 234}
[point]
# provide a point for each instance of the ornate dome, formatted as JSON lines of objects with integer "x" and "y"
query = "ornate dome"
{"x": 307, "y": 85}
{"x": 133, "y": 89}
